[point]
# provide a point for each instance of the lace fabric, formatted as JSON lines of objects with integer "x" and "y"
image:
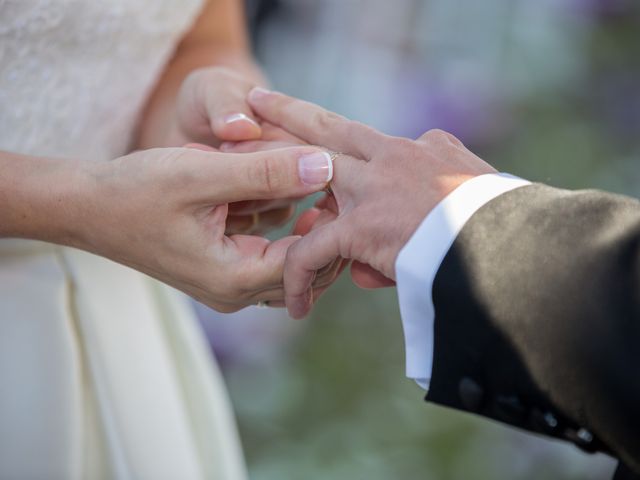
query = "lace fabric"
{"x": 74, "y": 74}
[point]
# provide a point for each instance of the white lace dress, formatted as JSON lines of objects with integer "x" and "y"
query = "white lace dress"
{"x": 103, "y": 372}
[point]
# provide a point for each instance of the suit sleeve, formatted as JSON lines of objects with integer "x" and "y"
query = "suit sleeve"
{"x": 537, "y": 318}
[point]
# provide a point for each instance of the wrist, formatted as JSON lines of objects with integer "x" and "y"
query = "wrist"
{"x": 42, "y": 198}
{"x": 65, "y": 203}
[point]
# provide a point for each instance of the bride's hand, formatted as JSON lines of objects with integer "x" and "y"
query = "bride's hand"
{"x": 211, "y": 108}
{"x": 163, "y": 212}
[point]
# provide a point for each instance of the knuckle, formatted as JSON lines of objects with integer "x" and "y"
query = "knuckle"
{"x": 439, "y": 137}
{"x": 436, "y": 135}
{"x": 294, "y": 259}
{"x": 291, "y": 257}
{"x": 324, "y": 120}
{"x": 265, "y": 175}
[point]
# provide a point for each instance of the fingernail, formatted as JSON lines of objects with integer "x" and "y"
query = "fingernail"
{"x": 239, "y": 117}
{"x": 315, "y": 168}
{"x": 258, "y": 92}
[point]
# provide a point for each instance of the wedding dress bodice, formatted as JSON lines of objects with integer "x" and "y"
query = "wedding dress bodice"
{"x": 74, "y": 74}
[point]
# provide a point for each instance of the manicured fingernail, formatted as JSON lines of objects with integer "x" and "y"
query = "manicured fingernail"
{"x": 257, "y": 93}
{"x": 239, "y": 117}
{"x": 315, "y": 168}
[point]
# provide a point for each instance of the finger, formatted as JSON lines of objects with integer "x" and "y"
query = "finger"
{"x": 306, "y": 220}
{"x": 235, "y": 126}
{"x": 367, "y": 277}
{"x": 259, "y": 263}
{"x": 201, "y": 146}
{"x": 254, "y": 146}
{"x": 322, "y": 284}
{"x": 274, "y": 133}
{"x": 347, "y": 170}
{"x": 328, "y": 274}
{"x": 318, "y": 289}
{"x": 311, "y": 253}
{"x": 230, "y": 117}
{"x": 228, "y": 177}
{"x": 315, "y": 125}
{"x": 249, "y": 206}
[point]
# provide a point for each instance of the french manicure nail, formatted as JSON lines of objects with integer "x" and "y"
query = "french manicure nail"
{"x": 258, "y": 92}
{"x": 315, "y": 168}
{"x": 239, "y": 117}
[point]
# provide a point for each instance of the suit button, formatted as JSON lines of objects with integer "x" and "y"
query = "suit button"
{"x": 510, "y": 409}
{"x": 543, "y": 422}
{"x": 583, "y": 439}
{"x": 471, "y": 394}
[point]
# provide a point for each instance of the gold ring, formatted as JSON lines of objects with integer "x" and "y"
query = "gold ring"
{"x": 333, "y": 156}
{"x": 255, "y": 217}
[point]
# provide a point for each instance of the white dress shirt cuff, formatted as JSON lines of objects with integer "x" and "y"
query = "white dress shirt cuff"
{"x": 420, "y": 259}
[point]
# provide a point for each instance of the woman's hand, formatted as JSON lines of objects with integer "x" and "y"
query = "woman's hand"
{"x": 384, "y": 187}
{"x": 211, "y": 108}
{"x": 200, "y": 95}
{"x": 201, "y": 98}
{"x": 163, "y": 212}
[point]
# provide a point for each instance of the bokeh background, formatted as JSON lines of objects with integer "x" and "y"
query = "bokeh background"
{"x": 546, "y": 89}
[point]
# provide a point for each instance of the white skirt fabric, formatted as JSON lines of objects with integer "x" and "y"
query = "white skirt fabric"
{"x": 104, "y": 373}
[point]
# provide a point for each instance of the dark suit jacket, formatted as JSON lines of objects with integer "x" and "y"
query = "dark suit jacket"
{"x": 537, "y": 318}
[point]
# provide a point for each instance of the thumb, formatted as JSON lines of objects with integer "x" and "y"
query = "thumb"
{"x": 283, "y": 173}
{"x": 365, "y": 276}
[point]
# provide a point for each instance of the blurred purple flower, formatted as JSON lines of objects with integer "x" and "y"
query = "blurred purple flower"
{"x": 600, "y": 8}
{"x": 473, "y": 112}
{"x": 617, "y": 99}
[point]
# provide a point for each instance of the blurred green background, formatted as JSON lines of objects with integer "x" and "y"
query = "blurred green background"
{"x": 548, "y": 90}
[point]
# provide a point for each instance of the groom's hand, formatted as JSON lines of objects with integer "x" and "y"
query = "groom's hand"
{"x": 384, "y": 187}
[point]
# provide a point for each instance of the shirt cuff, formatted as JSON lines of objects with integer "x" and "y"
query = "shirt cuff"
{"x": 419, "y": 260}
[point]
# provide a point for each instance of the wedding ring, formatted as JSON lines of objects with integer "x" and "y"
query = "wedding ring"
{"x": 262, "y": 304}
{"x": 333, "y": 156}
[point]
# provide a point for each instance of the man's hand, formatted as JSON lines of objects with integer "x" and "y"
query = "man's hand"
{"x": 384, "y": 187}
